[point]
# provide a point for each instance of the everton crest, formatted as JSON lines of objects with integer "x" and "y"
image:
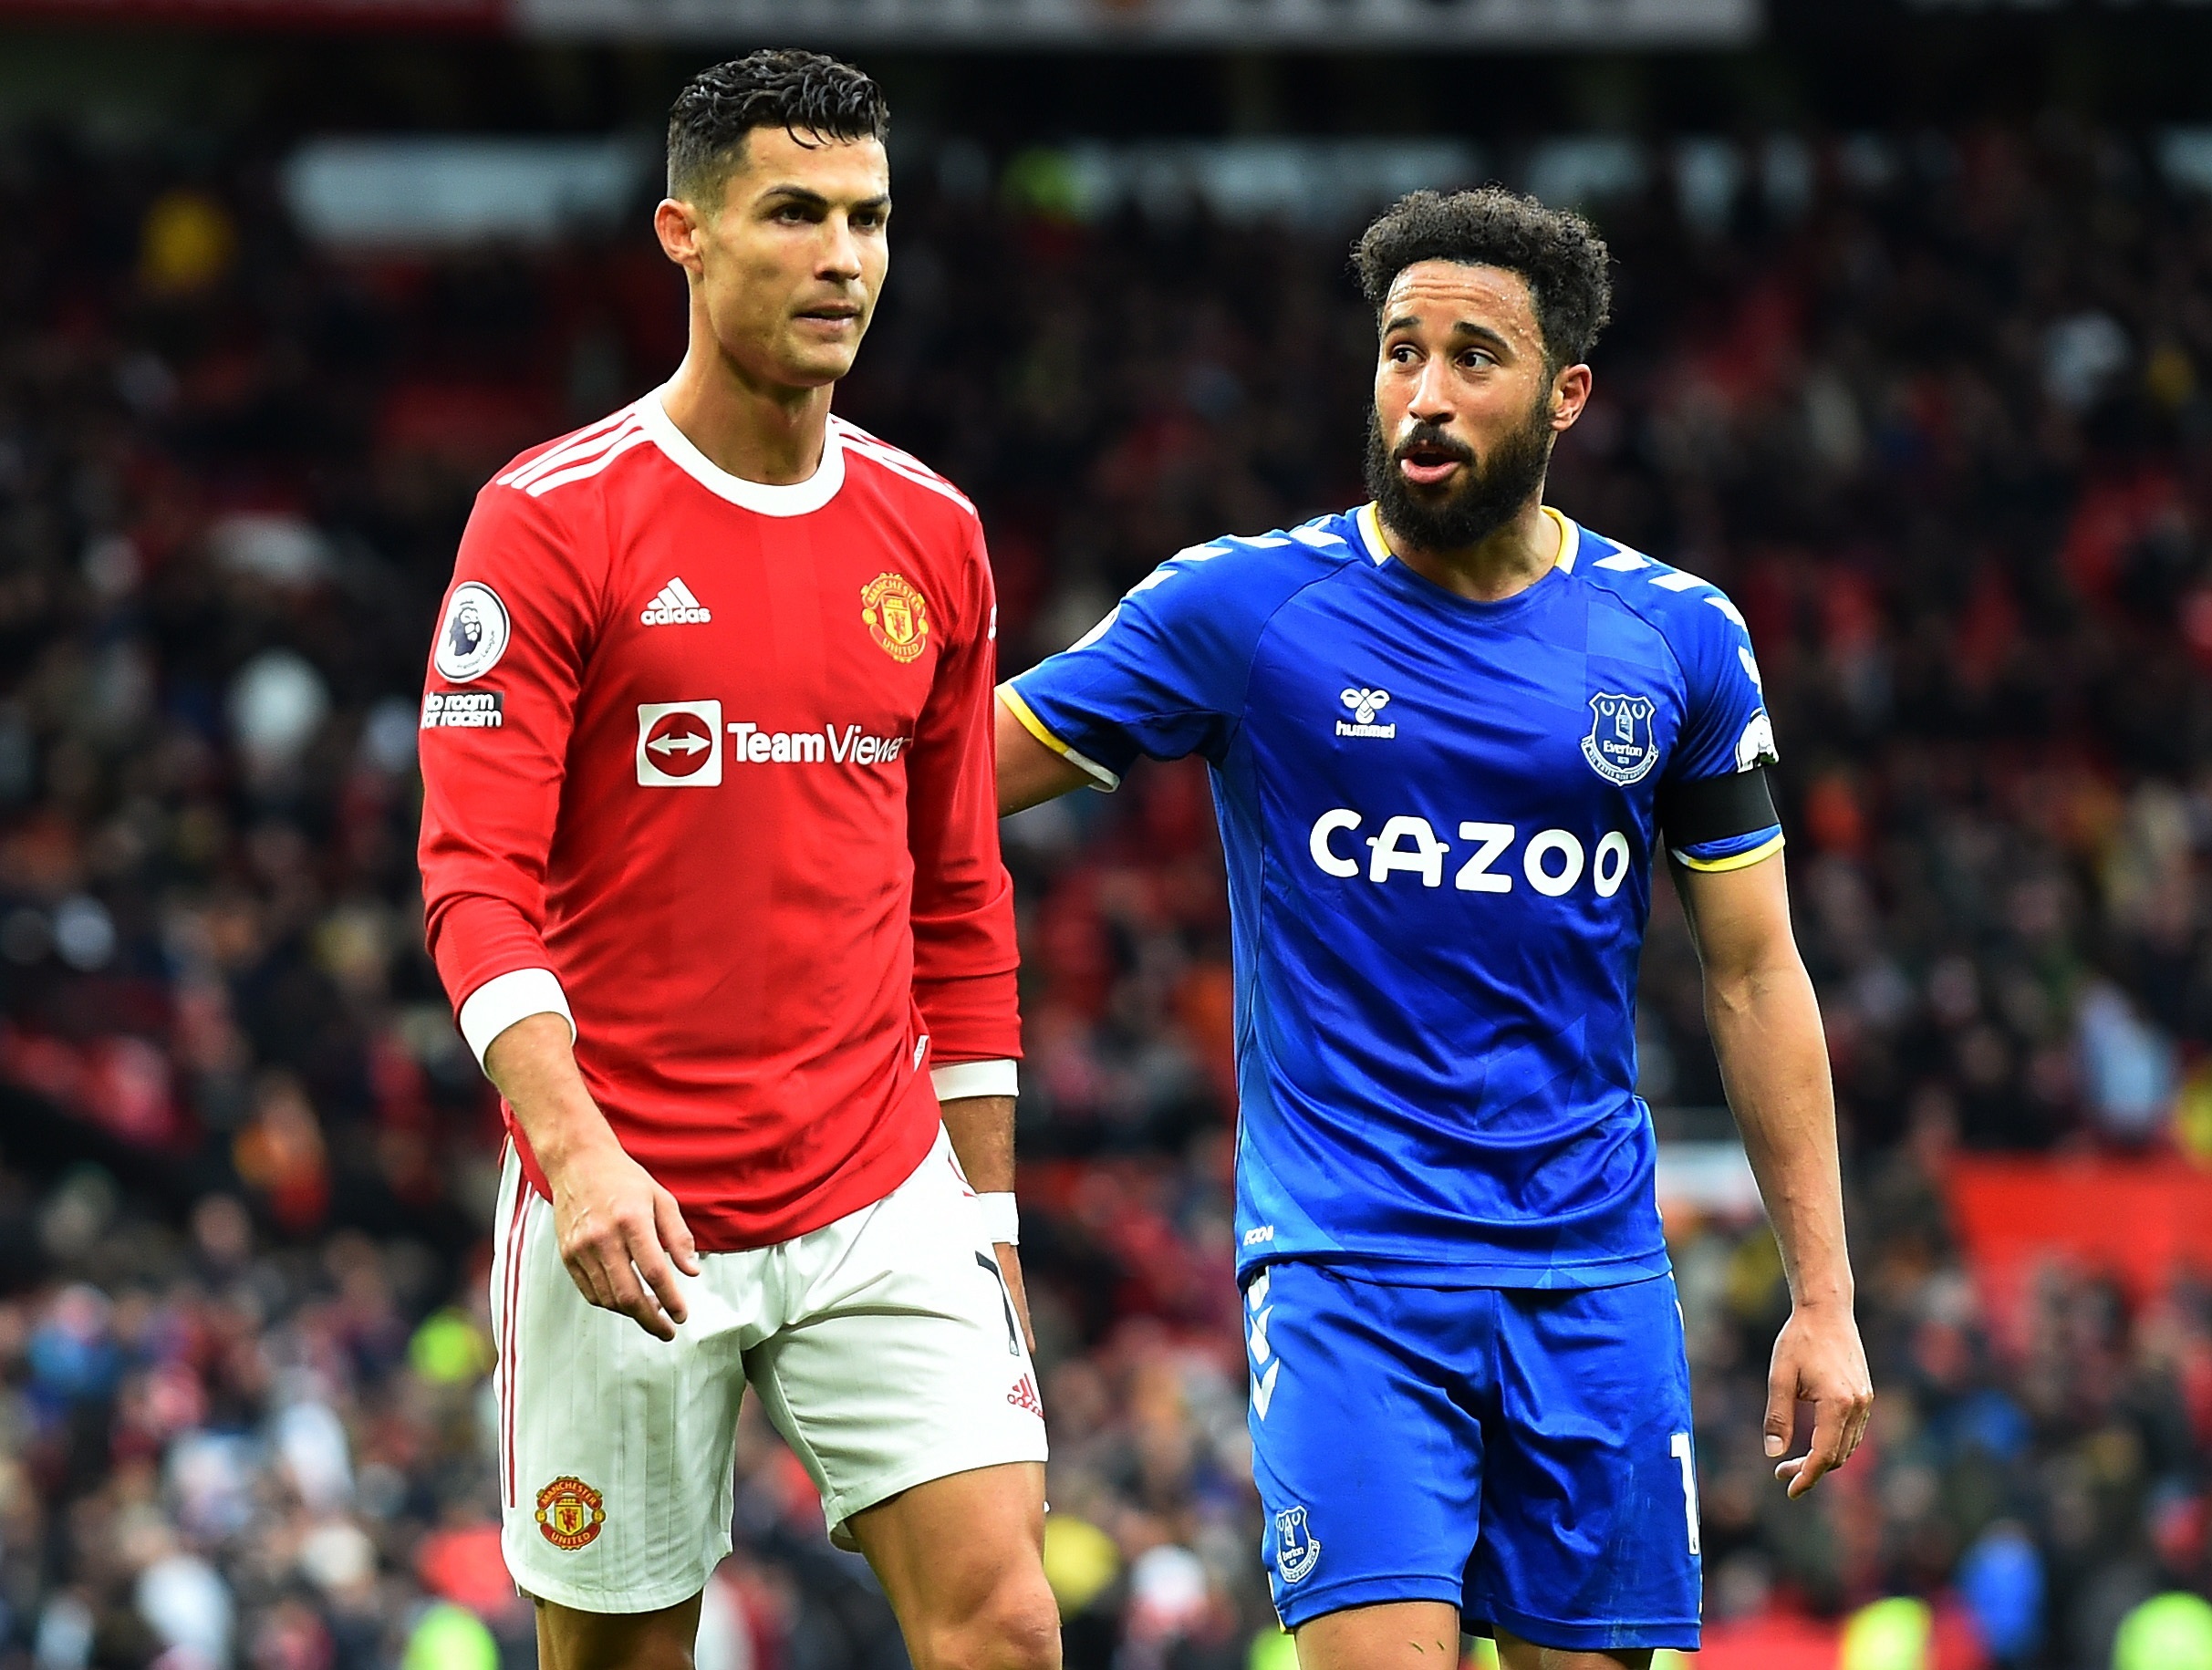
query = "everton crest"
{"x": 1620, "y": 746}
{"x": 1297, "y": 1549}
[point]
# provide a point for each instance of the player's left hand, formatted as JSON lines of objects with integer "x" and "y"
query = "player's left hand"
{"x": 1010, "y": 1266}
{"x": 1818, "y": 1359}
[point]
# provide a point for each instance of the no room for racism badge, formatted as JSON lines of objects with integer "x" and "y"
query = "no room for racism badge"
{"x": 570, "y": 1512}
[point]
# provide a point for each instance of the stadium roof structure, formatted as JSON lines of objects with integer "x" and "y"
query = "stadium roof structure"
{"x": 970, "y": 25}
{"x": 1167, "y": 23}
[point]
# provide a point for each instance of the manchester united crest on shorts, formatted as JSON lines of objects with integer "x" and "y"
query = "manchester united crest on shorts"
{"x": 897, "y": 616}
{"x": 570, "y": 1512}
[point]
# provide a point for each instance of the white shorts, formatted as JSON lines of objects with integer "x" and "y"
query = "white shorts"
{"x": 883, "y": 1346}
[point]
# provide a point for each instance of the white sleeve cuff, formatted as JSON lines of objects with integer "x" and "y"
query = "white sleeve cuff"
{"x": 1001, "y": 1218}
{"x": 974, "y": 1078}
{"x": 506, "y": 999}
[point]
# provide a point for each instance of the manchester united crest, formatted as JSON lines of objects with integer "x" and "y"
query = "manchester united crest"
{"x": 570, "y": 1512}
{"x": 897, "y": 616}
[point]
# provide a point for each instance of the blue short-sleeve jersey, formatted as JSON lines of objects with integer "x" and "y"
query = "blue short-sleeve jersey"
{"x": 1438, "y": 817}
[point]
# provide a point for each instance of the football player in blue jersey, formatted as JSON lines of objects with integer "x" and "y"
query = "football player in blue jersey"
{"x": 1450, "y": 733}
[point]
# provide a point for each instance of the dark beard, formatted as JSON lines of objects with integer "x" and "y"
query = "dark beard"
{"x": 1489, "y": 497}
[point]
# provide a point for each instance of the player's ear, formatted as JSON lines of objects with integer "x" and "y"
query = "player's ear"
{"x": 1570, "y": 394}
{"x": 676, "y": 224}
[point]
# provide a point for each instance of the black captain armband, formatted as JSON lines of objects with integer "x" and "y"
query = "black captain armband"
{"x": 1714, "y": 808}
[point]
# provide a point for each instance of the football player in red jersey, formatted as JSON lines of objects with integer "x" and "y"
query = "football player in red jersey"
{"x": 710, "y": 860}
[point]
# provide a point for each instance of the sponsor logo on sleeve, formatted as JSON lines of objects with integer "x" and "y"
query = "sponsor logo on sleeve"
{"x": 1756, "y": 745}
{"x": 1620, "y": 746}
{"x": 471, "y": 635}
{"x": 464, "y": 710}
{"x": 680, "y": 744}
{"x": 896, "y": 616}
{"x": 570, "y": 1512}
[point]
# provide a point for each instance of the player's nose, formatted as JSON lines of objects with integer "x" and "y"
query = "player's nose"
{"x": 1431, "y": 400}
{"x": 841, "y": 252}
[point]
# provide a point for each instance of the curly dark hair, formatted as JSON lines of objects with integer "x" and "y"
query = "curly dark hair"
{"x": 1558, "y": 251}
{"x": 814, "y": 99}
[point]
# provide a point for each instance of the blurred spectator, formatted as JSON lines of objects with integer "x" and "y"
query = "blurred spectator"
{"x": 1940, "y": 421}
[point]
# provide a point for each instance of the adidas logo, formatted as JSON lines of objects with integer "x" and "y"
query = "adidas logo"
{"x": 675, "y": 607}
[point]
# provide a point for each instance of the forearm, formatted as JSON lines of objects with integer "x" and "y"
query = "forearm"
{"x": 1766, "y": 1029}
{"x": 534, "y": 1065}
{"x": 981, "y": 1129}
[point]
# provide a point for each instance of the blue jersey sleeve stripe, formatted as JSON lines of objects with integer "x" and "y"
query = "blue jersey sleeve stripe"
{"x": 1037, "y": 728}
{"x": 1770, "y": 842}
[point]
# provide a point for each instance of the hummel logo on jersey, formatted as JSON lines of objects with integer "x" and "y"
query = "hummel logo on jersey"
{"x": 675, "y": 607}
{"x": 1365, "y": 705}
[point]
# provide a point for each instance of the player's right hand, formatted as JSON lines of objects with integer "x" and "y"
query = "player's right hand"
{"x": 622, "y": 1237}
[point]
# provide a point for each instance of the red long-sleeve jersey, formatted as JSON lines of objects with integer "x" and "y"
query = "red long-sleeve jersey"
{"x": 716, "y": 756}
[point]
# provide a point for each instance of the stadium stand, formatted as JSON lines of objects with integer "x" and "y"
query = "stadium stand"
{"x": 1937, "y": 409}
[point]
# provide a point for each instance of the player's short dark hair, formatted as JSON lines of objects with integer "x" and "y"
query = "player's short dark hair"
{"x": 1558, "y": 251}
{"x": 816, "y": 99}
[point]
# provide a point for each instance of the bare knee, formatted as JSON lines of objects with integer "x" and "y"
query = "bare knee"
{"x": 1017, "y": 1628}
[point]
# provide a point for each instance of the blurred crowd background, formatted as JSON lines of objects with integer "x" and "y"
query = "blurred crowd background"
{"x": 1933, "y": 402}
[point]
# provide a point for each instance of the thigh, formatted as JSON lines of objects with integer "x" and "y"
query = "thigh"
{"x": 902, "y": 1361}
{"x": 1368, "y": 1461}
{"x": 662, "y": 1640}
{"x": 961, "y": 1559}
{"x": 1589, "y": 1522}
{"x": 615, "y": 1447}
{"x": 1514, "y": 1654}
{"x": 1395, "y": 1635}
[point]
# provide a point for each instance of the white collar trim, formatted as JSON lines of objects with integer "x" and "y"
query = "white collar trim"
{"x": 797, "y": 498}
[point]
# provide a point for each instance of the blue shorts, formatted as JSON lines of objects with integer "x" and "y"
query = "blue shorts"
{"x": 1522, "y": 1454}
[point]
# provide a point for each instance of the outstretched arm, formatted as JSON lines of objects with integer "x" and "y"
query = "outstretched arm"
{"x": 1766, "y": 1029}
{"x": 1029, "y": 772}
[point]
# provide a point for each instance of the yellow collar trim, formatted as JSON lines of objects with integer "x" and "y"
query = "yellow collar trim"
{"x": 1370, "y": 522}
